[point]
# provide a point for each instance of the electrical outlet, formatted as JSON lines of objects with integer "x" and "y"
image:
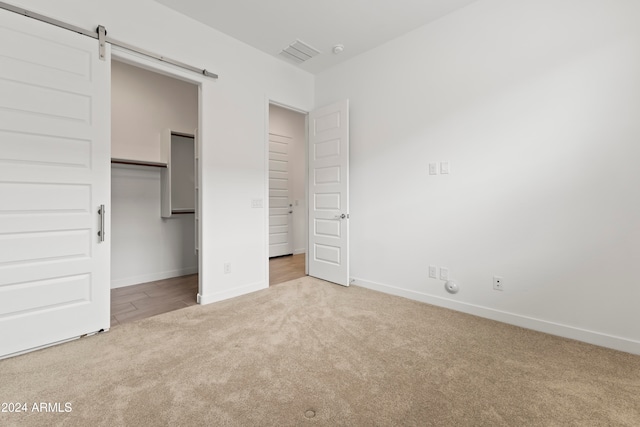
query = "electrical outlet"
{"x": 227, "y": 268}
{"x": 444, "y": 273}
{"x": 498, "y": 283}
{"x": 433, "y": 169}
{"x": 433, "y": 271}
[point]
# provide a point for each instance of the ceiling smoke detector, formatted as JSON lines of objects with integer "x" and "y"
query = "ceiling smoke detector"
{"x": 299, "y": 52}
{"x": 338, "y": 49}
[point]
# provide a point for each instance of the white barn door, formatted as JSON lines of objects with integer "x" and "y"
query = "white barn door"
{"x": 54, "y": 175}
{"x": 328, "y": 257}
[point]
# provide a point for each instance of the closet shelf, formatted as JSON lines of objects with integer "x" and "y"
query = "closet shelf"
{"x": 138, "y": 163}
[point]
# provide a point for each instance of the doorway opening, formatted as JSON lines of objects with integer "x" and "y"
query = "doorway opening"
{"x": 154, "y": 261}
{"x": 287, "y": 169}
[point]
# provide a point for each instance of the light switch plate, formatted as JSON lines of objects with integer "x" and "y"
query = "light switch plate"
{"x": 444, "y": 273}
{"x": 433, "y": 271}
{"x": 444, "y": 168}
{"x": 433, "y": 169}
{"x": 256, "y": 203}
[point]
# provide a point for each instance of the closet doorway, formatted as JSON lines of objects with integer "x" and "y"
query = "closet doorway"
{"x": 287, "y": 194}
{"x": 154, "y": 262}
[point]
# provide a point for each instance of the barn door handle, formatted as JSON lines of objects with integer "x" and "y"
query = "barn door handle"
{"x": 101, "y": 212}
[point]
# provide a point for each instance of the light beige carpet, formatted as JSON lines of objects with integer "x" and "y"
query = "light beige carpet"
{"x": 311, "y": 353}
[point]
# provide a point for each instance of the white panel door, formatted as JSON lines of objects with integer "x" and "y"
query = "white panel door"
{"x": 54, "y": 175}
{"x": 329, "y": 193}
{"x": 280, "y": 209}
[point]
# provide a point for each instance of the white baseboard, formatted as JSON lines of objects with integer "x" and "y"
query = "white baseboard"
{"x": 232, "y": 293}
{"x": 591, "y": 337}
{"x": 299, "y": 251}
{"x": 152, "y": 277}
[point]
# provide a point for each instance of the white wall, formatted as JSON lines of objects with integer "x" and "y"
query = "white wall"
{"x": 233, "y": 122}
{"x": 143, "y": 104}
{"x": 144, "y": 246}
{"x": 536, "y": 106}
{"x": 292, "y": 124}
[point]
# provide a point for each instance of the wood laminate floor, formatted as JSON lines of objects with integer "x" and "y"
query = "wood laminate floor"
{"x": 149, "y": 299}
{"x": 285, "y": 268}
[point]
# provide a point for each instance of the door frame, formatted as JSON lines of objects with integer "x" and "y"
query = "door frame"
{"x": 270, "y": 101}
{"x": 128, "y": 57}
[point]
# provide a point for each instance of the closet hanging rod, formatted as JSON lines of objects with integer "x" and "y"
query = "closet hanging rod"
{"x": 138, "y": 163}
{"x": 95, "y": 35}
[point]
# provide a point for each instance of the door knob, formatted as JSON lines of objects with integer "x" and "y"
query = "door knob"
{"x": 343, "y": 216}
{"x": 290, "y": 211}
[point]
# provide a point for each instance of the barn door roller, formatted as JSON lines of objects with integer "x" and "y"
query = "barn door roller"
{"x": 102, "y": 40}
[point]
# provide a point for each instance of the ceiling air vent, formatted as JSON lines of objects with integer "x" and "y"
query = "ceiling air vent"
{"x": 299, "y": 52}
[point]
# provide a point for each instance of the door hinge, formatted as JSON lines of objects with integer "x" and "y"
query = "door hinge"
{"x": 102, "y": 35}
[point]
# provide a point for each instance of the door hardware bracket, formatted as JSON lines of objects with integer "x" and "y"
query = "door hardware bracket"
{"x": 102, "y": 35}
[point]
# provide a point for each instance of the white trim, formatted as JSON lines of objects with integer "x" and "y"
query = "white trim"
{"x": 144, "y": 278}
{"x": 306, "y": 193}
{"x": 286, "y": 106}
{"x": 299, "y": 251}
{"x": 265, "y": 145}
{"x": 232, "y": 293}
{"x": 566, "y": 331}
{"x": 156, "y": 66}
